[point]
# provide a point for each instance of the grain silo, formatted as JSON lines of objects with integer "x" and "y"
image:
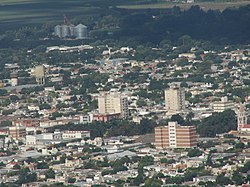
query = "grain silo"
{"x": 58, "y": 31}
{"x": 65, "y": 31}
{"x": 81, "y": 31}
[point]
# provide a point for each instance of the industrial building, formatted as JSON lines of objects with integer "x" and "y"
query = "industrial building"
{"x": 175, "y": 136}
{"x": 66, "y": 31}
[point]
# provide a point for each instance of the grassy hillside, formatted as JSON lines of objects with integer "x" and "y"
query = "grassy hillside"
{"x": 205, "y": 5}
{"x": 21, "y": 12}
{"x": 40, "y": 11}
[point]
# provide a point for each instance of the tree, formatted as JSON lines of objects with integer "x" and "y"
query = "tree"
{"x": 184, "y": 84}
{"x": 14, "y": 98}
{"x": 189, "y": 175}
{"x": 146, "y": 126}
{"x": 218, "y": 123}
{"x": 245, "y": 168}
{"x": 240, "y": 145}
{"x": 5, "y": 123}
{"x": 71, "y": 180}
{"x": 42, "y": 165}
{"x": 194, "y": 153}
{"x": 237, "y": 178}
{"x": 167, "y": 161}
{"x": 17, "y": 166}
{"x": 50, "y": 174}
{"x": 153, "y": 182}
{"x": 139, "y": 178}
{"x": 44, "y": 106}
{"x": 141, "y": 103}
{"x": 25, "y": 176}
{"x": 178, "y": 118}
{"x": 3, "y": 92}
{"x": 174, "y": 180}
{"x": 190, "y": 116}
{"x": 222, "y": 180}
{"x": 146, "y": 161}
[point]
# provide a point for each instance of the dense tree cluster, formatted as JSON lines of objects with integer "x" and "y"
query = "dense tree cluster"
{"x": 231, "y": 25}
{"x": 112, "y": 128}
{"x": 218, "y": 123}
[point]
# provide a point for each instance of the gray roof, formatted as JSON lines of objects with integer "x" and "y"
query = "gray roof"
{"x": 81, "y": 25}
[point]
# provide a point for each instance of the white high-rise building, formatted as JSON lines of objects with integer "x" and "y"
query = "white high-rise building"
{"x": 175, "y": 99}
{"x": 113, "y": 102}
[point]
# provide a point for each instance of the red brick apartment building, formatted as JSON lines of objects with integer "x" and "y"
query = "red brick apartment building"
{"x": 175, "y": 136}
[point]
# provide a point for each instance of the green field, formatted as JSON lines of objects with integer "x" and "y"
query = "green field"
{"x": 220, "y": 5}
{"x": 22, "y": 12}
{"x": 16, "y": 13}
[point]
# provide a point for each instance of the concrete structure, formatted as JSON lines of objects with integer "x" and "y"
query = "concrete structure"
{"x": 175, "y": 136}
{"x": 113, "y": 103}
{"x": 27, "y": 122}
{"x": 55, "y": 138}
{"x": 75, "y": 134}
{"x": 17, "y": 132}
{"x": 222, "y": 105}
{"x": 104, "y": 117}
{"x": 44, "y": 139}
{"x": 175, "y": 99}
{"x": 58, "y": 31}
{"x": 242, "y": 120}
{"x": 39, "y": 73}
{"x": 65, "y": 31}
{"x": 81, "y": 31}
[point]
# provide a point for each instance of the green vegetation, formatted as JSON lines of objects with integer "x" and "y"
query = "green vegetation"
{"x": 218, "y": 123}
{"x": 194, "y": 153}
{"x": 112, "y": 128}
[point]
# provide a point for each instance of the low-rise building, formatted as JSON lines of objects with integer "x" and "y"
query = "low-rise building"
{"x": 223, "y": 104}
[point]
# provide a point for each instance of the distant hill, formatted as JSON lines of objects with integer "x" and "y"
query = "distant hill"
{"x": 117, "y": 19}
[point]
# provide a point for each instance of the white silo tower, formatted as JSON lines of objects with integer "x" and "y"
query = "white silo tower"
{"x": 81, "y": 31}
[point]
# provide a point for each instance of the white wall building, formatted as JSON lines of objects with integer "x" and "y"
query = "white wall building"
{"x": 113, "y": 102}
{"x": 223, "y": 104}
{"x": 75, "y": 134}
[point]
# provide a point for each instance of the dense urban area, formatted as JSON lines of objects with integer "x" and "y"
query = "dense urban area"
{"x": 152, "y": 98}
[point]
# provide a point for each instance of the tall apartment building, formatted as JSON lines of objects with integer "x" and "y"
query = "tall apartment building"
{"x": 175, "y": 136}
{"x": 113, "y": 103}
{"x": 175, "y": 99}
